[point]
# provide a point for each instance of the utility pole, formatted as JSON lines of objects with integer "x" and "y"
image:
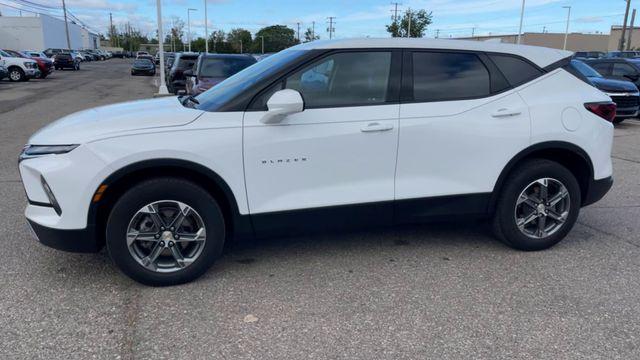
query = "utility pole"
{"x": 631, "y": 28}
{"x": 473, "y": 31}
{"x": 262, "y": 39}
{"x": 206, "y": 30}
{"x": 624, "y": 26}
{"x": 409, "y": 23}
{"x": 111, "y": 29}
{"x": 330, "y": 29}
{"x": 240, "y": 46}
{"x": 298, "y": 24}
{"x": 66, "y": 24}
{"x": 437, "y": 33}
{"x": 313, "y": 30}
{"x": 566, "y": 31}
{"x": 395, "y": 11}
{"x": 521, "y": 19}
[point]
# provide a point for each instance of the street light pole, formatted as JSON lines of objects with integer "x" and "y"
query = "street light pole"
{"x": 189, "y": 26}
{"x": 566, "y": 31}
{"x": 162, "y": 90}
{"x": 66, "y": 24}
{"x": 206, "y": 30}
{"x": 521, "y": 19}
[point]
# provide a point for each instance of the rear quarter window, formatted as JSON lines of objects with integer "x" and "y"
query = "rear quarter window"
{"x": 516, "y": 70}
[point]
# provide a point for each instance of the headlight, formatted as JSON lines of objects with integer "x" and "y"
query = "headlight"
{"x": 31, "y": 151}
{"x": 31, "y": 65}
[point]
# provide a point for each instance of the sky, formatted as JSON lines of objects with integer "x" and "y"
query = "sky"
{"x": 356, "y": 18}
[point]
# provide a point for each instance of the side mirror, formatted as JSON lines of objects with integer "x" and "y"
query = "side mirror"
{"x": 282, "y": 103}
{"x": 188, "y": 73}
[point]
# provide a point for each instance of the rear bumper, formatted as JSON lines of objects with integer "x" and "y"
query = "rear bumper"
{"x": 597, "y": 190}
{"x": 76, "y": 240}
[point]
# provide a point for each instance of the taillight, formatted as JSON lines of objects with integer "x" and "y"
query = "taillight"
{"x": 606, "y": 110}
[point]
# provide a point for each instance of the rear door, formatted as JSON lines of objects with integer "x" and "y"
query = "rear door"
{"x": 460, "y": 123}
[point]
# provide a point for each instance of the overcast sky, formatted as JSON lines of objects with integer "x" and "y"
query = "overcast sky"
{"x": 353, "y": 18}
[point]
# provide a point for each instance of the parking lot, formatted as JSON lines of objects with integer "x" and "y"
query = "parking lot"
{"x": 443, "y": 291}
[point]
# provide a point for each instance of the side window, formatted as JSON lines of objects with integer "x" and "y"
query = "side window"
{"x": 602, "y": 68}
{"x": 517, "y": 71}
{"x": 358, "y": 78}
{"x": 620, "y": 69}
{"x": 449, "y": 76}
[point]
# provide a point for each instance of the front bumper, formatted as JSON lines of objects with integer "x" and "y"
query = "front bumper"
{"x": 32, "y": 73}
{"x": 597, "y": 190}
{"x": 80, "y": 240}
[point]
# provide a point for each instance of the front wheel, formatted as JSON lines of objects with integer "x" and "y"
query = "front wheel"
{"x": 16, "y": 74}
{"x": 165, "y": 231}
{"x": 538, "y": 206}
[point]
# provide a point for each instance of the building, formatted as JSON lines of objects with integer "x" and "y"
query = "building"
{"x": 616, "y": 32}
{"x": 575, "y": 41}
{"x": 43, "y": 32}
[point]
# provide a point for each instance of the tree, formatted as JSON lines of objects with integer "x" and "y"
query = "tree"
{"x": 239, "y": 39}
{"x": 419, "y": 21}
{"x": 276, "y": 38}
{"x": 310, "y": 35}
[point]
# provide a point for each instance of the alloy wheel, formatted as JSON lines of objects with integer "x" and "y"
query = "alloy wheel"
{"x": 15, "y": 75}
{"x": 166, "y": 236}
{"x": 542, "y": 208}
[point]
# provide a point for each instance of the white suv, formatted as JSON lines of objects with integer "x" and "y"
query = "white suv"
{"x": 325, "y": 135}
{"x": 20, "y": 69}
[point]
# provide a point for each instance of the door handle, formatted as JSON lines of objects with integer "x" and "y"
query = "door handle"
{"x": 376, "y": 127}
{"x": 505, "y": 113}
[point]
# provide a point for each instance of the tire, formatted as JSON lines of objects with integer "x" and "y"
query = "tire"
{"x": 523, "y": 179}
{"x": 165, "y": 192}
{"x": 618, "y": 120}
{"x": 16, "y": 74}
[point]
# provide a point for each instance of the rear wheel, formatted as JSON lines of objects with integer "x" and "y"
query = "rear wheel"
{"x": 165, "y": 231}
{"x": 539, "y": 205}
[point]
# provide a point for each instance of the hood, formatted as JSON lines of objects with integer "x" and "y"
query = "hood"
{"x": 610, "y": 85}
{"x": 115, "y": 120}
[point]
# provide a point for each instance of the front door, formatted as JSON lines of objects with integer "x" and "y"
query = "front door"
{"x": 338, "y": 156}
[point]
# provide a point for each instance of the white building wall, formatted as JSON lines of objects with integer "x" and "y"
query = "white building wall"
{"x": 43, "y": 32}
{"x": 21, "y": 33}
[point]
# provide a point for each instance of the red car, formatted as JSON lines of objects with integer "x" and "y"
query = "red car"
{"x": 44, "y": 65}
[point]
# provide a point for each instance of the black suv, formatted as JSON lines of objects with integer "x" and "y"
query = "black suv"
{"x": 176, "y": 80}
{"x": 65, "y": 61}
{"x": 624, "y": 93}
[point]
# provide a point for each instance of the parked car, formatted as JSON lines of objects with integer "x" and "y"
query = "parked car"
{"x": 138, "y": 53}
{"x": 66, "y": 61}
{"x": 52, "y": 51}
{"x": 624, "y": 93}
{"x": 617, "y": 69}
{"x": 589, "y": 54}
{"x": 147, "y": 57}
{"x": 143, "y": 66}
{"x": 44, "y": 65}
{"x": 88, "y": 56}
{"x": 3, "y": 71}
{"x": 309, "y": 139}
{"x": 119, "y": 54}
{"x": 36, "y": 54}
{"x": 211, "y": 69}
{"x": 622, "y": 54}
{"x": 168, "y": 60}
{"x": 97, "y": 55}
{"x": 20, "y": 69}
{"x": 156, "y": 59}
{"x": 176, "y": 80}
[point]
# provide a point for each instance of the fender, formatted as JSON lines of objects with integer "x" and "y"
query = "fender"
{"x": 240, "y": 225}
{"x": 537, "y": 148}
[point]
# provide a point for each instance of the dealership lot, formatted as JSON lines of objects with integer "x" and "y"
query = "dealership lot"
{"x": 446, "y": 291}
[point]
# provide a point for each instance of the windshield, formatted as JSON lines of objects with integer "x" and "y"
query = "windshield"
{"x": 233, "y": 86}
{"x": 222, "y": 67}
{"x": 2, "y": 53}
{"x": 585, "y": 69}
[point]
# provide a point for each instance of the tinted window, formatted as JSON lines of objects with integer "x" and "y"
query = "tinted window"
{"x": 141, "y": 62}
{"x": 620, "y": 69}
{"x": 222, "y": 67}
{"x": 358, "y": 78}
{"x": 448, "y": 76}
{"x": 585, "y": 69}
{"x": 602, "y": 68}
{"x": 517, "y": 71}
{"x": 186, "y": 63}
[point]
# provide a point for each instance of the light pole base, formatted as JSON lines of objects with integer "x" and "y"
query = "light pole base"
{"x": 162, "y": 91}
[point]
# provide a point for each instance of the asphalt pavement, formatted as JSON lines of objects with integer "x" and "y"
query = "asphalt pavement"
{"x": 442, "y": 291}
